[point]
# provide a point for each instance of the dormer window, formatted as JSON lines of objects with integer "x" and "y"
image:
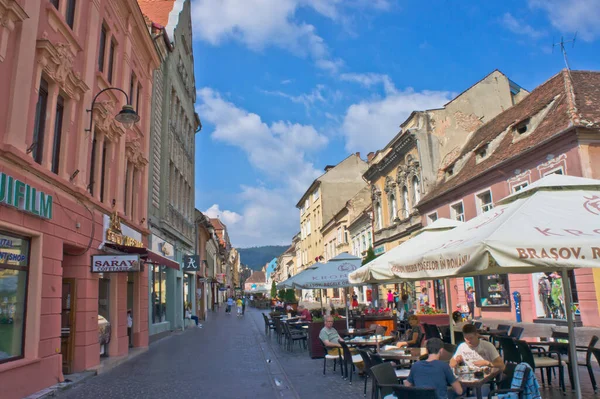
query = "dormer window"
{"x": 450, "y": 171}
{"x": 481, "y": 152}
{"x": 522, "y": 127}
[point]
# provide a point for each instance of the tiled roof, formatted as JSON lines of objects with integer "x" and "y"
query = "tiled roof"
{"x": 257, "y": 277}
{"x": 576, "y": 95}
{"x": 157, "y": 10}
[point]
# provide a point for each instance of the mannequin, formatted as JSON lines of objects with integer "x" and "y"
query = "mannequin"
{"x": 544, "y": 289}
{"x": 558, "y": 296}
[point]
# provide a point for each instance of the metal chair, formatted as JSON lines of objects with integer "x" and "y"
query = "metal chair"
{"x": 366, "y": 358}
{"x": 384, "y": 377}
{"x": 587, "y": 363}
{"x": 335, "y": 358}
{"x": 505, "y": 386}
{"x": 349, "y": 359}
{"x": 268, "y": 325}
{"x": 503, "y": 327}
{"x": 478, "y": 324}
{"x": 403, "y": 392}
{"x": 543, "y": 362}
{"x": 509, "y": 350}
{"x": 293, "y": 336}
{"x": 516, "y": 332}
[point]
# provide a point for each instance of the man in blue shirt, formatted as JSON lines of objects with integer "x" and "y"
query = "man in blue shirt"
{"x": 434, "y": 373}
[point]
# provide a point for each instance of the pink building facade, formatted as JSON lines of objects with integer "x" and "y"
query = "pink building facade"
{"x": 60, "y": 182}
{"x": 553, "y": 130}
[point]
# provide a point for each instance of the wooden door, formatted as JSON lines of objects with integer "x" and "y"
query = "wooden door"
{"x": 67, "y": 336}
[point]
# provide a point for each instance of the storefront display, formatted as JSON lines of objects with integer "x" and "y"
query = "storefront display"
{"x": 492, "y": 291}
{"x": 14, "y": 252}
{"x": 159, "y": 293}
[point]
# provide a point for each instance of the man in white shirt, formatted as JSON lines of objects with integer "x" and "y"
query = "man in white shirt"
{"x": 475, "y": 351}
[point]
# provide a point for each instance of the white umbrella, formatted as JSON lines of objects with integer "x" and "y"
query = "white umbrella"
{"x": 551, "y": 225}
{"x": 289, "y": 283}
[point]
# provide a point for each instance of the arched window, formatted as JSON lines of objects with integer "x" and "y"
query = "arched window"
{"x": 378, "y": 215}
{"x": 393, "y": 208}
{"x": 416, "y": 190}
{"x": 405, "y": 203}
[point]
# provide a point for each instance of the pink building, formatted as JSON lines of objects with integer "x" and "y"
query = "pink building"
{"x": 60, "y": 182}
{"x": 555, "y": 129}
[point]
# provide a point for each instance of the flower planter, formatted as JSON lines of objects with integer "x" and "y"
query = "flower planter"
{"x": 384, "y": 321}
{"x": 440, "y": 319}
{"x": 315, "y": 349}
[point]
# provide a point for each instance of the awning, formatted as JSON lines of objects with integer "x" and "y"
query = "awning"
{"x": 146, "y": 255}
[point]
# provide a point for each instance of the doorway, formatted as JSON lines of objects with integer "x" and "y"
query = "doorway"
{"x": 104, "y": 327}
{"x": 67, "y": 324}
{"x": 130, "y": 314}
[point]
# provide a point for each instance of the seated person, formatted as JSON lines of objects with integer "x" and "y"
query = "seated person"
{"x": 331, "y": 339}
{"x": 411, "y": 336}
{"x": 475, "y": 351}
{"x": 304, "y": 314}
{"x": 434, "y": 373}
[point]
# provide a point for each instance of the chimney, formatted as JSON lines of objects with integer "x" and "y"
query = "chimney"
{"x": 358, "y": 155}
{"x": 370, "y": 156}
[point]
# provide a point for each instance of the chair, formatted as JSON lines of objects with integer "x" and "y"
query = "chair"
{"x": 505, "y": 386}
{"x": 449, "y": 350}
{"x": 403, "y": 392}
{"x": 293, "y": 336}
{"x": 587, "y": 363}
{"x": 379, "y": 330}
{"x": 516, "y": 332}
{"x": 458, "y": 337}
{"x": 542, "y": 362}
{"x": 268, "y": 324}
{"x": 278, "y": 330}
{"x": 478, "y": 324}
{"x": 509, "y": 350}
{"x": 503, "y": 327}
{"x": 349, "y": 358}
{"x": 384, "y": 377}
{"x": 335, "y": 358}
{"x": 366, "y": 358}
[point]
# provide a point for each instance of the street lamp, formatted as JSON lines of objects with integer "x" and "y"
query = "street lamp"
{"x": 127, "y": 116}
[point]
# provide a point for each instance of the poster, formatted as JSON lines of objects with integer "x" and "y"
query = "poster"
{"x": 469, "y": 282}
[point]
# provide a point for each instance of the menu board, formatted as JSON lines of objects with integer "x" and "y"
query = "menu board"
{"x": 492, "y": 291}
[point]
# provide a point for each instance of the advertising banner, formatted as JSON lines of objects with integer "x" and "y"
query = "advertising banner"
{"x": 115, "y": 263}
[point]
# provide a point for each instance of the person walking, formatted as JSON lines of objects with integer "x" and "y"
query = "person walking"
{"x": 238, "y": 303}
{"x": 243, "y": 305}
{"x": 390, "y": 299}
{"x": 229, "y": 305}
{"x": 471, "y": 302}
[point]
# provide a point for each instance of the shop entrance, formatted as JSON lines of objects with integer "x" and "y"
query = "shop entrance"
{"x": 104, "y": 327}
{"x": 67, "y": 331}
{"x": 130, "y": 315}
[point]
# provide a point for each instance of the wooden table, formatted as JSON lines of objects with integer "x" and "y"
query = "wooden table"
{"x": 476, "y": 384}
{"x": 400, "y": 354}
{"x": 357, "y": 332}
{"x": 370, "y": 342}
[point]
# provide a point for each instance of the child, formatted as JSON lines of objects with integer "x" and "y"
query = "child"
{"x": 239, "y": 307}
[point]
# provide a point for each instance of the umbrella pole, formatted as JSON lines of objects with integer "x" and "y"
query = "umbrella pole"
{"x": 321, "y": 299}
{"x": 347, "y": 313}
{"x": 572, "y": 339}
{"x": 449, "y": 306}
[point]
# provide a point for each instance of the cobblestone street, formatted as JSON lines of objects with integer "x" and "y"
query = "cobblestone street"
{"x": 231, "y": 358}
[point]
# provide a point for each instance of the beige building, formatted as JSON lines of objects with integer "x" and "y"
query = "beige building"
{"x": 323, "y": 199}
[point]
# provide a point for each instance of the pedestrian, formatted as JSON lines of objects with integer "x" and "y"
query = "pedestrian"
{"x": 238, "y": 302}
{"x": 396, "y": 300}
{"x": 354, "y": 300}
{"x": 229, "y": 305}
{"x": 129, "y": 327}
{"x": 189, "y": 315}
{"x": 471, "y": 302}
{"x": 243, "y": 305}
{"x": 390, "y": 299}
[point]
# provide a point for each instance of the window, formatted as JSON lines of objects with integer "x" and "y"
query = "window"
{"x": 159, "y": 294}
{"x": 522, "y": 127}
{"x": 307, "y": 203}
{"x": 339, "y": 235}
{"x": 103, "y": 171}
{"x": 370, "y": 240}
{"x": 137, "y": 98}
{"x": 93, "y": 165}
{"x": 70, "y": 16}
{"x": 308, "y": 230}
{"x": 394, "y": 208}
{"x": 482, "y": 152}
{"x": 363, "y": 244}
{"x": 432, "y": 217}
{"x": 57, "y": 133}
{"x": 111, "y": 60}
{"x": 457, "y": 211}
{"x": 519, "y": 186}
{"x": 336, "y": 292}
{"x": 13, "y": 282}
{"x": 485, "y": 201}
{"x": 54, "y": 3}
{"x": 557, "y": 171}
{"x": 416, "y": 190}
{"x": 102, "y": 49}
{"x": 132, "y": 87}
{"x": 379, "y": 217}
{"x": 439, "y": 289}
{"x": 127, "y": 183}
{"x": 40, "y": 123}
{"x": 405, "y": 204}
{"x": 345, "y": 236}
{"x": 316, "y": 195}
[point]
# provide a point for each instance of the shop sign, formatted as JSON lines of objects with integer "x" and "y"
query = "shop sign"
{"x": 191, "y": 263}
{"x": 115, "y": 263}
{"x": 166, "y": 249}
{"x": 222, "y": 289}
{"x": 13, "y": 251}
{"x": 379, "y": 250}
{"x": 121, "y": 235}
{"x": 15, "y": 193}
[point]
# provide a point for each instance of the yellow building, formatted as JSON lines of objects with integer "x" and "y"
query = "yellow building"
{"x": 323, "y": 199}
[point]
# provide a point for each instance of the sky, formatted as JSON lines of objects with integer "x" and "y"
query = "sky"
{"x": 286, "y": 87}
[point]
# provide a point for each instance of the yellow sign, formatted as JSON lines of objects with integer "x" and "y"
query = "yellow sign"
{"x": 114, "y": 234}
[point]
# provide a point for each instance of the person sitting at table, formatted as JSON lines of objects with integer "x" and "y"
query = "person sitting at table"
{"x": 411, "y": 336}
{"x": 434, "y": 373}
{"x": 331, "y": 339}
{"x": 476, "y": 352}
{"x": 304, "y": 314}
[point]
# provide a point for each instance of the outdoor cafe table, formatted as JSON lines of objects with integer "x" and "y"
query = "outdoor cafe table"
{"x": 469, "y": 381}
{"x": 539, "y": 341}
{"x": 370, "y": 342}
{"x": 357, "y": 332}
{"x": 400, "y": 354}
{"x": 492, "y": 332}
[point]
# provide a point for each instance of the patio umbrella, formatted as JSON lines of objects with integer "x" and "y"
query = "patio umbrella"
{"x": 333, "y": 274}
{"x": 289, "y": 283}
{"x": 550, "y": 225}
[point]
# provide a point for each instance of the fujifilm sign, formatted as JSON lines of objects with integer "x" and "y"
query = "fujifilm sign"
{"x": 15, "y": 193}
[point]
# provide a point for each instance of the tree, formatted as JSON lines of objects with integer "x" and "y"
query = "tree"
{"x": 290, "y": 295}
{"x": 273, "y": 289}
{"x": 370, "y": 256}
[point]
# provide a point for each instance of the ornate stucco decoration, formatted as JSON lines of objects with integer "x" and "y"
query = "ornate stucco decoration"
{"x": 57, "y": 63}
{"x": 390, "y": 185}
{"x": 407, "y": 171}
{"x": 11, "y": 14}
{"x": 104, "y": 120}
{"x": 133, "y": 151}
{"x": 375, "y": 193}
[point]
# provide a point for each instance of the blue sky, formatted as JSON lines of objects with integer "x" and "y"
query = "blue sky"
{"x": 286, "y": 87}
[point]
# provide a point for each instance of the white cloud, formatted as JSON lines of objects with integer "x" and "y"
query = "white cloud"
{"x": 306, "y": 99}
{"x": 228, "y": 217}
{"x": 286, "y": 81}
{"x": 371, "y": 124}
{"x": 570, "y": 16}
{"x": 278, "y": 150}
{"x": 370, "y": 79}
{"x": 263, "y": 23}
{"x": 519, "y": 27}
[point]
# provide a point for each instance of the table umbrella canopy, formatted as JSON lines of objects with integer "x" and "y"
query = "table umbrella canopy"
{"x": 289, "y": 283}
{"x": 378, "y": 271}
{"x": 552, "y": 224}
{"x": 333, "y": 274}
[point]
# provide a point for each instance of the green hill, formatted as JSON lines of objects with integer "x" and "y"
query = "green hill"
{"x": 256, "y": 257}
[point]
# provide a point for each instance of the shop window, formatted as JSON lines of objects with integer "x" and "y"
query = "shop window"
{"x": 336, "y": 292}
{"x": 484, "y": 200}
{"x": 14, "y": 268}
{"x": 492, "y": 291}
{"x": 159, "y": 294}
{"x": 37, "y": 147}
{"x": 440, "y": 295}
{"x": 58, "y": 123}
{"x": 102, "y": 49}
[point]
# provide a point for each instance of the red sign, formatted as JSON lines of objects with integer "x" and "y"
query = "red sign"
{"x": 369, "y": 295}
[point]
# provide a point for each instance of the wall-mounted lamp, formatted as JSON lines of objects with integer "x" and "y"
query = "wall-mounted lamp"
{"x": 74, "y": 175}
{"x": 142, "y": 221}
{"x": 127, "y": 117}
